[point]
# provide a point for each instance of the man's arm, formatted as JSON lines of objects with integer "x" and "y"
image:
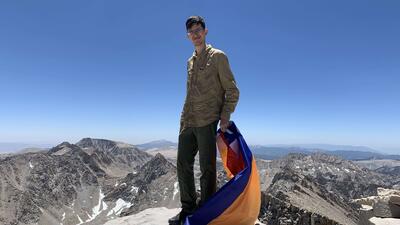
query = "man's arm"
{"x": 229, "y": 85}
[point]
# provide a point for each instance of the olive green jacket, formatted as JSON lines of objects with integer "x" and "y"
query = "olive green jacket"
{"x": 211, "y": 90}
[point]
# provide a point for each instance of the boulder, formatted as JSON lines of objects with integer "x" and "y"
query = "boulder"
{"x": 387, "y": 204}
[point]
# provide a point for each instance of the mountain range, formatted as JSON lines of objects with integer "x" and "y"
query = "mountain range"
{"x": 97, "y": 181}
{"x": 265, "y": 152}
{"x": 90, "y": 182}
{"x": 278, "y": 151}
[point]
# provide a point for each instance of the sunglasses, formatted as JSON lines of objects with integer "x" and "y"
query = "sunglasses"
{"x": 195, "y": 31}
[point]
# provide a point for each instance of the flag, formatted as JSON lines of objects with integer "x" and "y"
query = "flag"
{"x": 238, "y": 201}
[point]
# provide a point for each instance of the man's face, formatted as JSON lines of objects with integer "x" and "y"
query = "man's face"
{"x": 197, "y": 34}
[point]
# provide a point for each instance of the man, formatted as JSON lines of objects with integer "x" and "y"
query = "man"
{"x": 211, "y": 97}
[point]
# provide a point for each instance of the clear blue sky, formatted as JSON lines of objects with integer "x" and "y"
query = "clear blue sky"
{"x": 308, "y": 71}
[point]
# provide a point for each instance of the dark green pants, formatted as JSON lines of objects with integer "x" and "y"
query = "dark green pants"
{"x": 191, "y": 141}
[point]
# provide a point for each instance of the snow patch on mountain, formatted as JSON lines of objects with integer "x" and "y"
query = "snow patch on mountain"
{"x": 152, "y": 216}
{"x": 384, "y": 221}
{"x": 101, "y": 206}
{"x": 175, "y": 189}
{"x": 134, "y": 189}
{"x": 119, "y": 206}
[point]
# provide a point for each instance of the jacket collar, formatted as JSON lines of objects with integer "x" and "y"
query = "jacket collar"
{"x": 205, "y": 51}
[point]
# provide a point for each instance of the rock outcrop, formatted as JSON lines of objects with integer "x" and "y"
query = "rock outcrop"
{"x": 315, "y": 189}
{"x": 385, "y": 205}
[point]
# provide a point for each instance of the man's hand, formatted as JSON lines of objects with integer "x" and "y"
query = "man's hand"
{"x": 223, "y": 124}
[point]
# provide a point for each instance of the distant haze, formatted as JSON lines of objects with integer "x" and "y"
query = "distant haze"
{"x": 9, "y": 147}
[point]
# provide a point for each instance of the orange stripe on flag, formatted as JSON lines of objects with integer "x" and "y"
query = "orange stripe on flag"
{"x": 245, "y": 209}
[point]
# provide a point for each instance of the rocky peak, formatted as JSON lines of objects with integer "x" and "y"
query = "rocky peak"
{"x": 153, "y": 185}
{"x": 63, "y": 148}
{"x": 102, "y": 144}
{"x": 156, "y": 167}
{"x": 326, "y": 158}
{"x": 158, "y": 144}
{"x": 160, "y": 158}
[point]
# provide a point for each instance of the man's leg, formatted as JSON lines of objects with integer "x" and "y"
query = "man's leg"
{"x": 187, "y": 150}
{"x": 206, "y": 139}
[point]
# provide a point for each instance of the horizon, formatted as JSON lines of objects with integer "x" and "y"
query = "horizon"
{"x": 24, "y": 145}
{"x": 308, "y": 72}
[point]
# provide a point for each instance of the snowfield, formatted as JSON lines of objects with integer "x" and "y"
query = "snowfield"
{"x": 152, "y": 216}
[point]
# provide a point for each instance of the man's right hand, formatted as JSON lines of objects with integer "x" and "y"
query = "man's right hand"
{"x": 224, "y": 124}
